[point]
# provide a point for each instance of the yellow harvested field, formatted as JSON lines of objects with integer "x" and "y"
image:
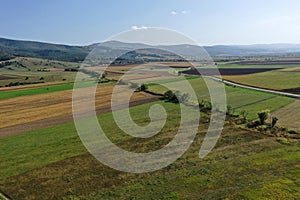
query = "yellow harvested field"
{"x": 289, "y": 116}
{"x": 294, "y": 69}
{"x": 27, "y": 109}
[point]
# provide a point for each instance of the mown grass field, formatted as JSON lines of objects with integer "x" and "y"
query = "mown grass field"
{"x": 58, "y": 137}
{"x": 53, "y": 163}
{"x": 238, "y": 98}
{"x": 277, "y": 80}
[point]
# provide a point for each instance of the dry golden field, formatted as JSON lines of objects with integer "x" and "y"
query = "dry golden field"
{"x": 289, "y": 116}
{"x": 26, "y": 109}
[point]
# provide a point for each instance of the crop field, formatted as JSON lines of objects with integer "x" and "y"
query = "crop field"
{"x": 149, "y": 112}
{"x": 289, "y": 116}
{"x": 227, "y": 71}
{"x": 26, "y": 109}
{"x": 238, "y": 98}
{"x": 293, "y": 69}
{"x": 277, "y": 80}
{"x": 49, "y": 160}
{"x": 7, "y": 93}
{"x": 229, "y": 64}
{"x": 55, "y": 164}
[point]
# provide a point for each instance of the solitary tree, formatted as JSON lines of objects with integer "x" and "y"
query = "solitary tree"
{"x": 263, "y": 116}
{"x": 143, "y": 87}
{"x": 170, "y": 96}
{"x": 274, "y": 121}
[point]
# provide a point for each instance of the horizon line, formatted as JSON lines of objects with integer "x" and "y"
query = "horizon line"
{"x": 92, "y": 43}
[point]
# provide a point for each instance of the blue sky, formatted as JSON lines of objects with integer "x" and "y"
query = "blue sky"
{"x": 208, "y": 22}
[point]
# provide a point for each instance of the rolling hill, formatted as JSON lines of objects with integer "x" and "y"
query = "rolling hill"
{"x": 61, "y": 52}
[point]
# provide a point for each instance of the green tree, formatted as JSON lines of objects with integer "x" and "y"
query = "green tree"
{"x": 263, "y": 116}
{"x": 171, "y": 96}
{"x": 274, "y": 121}
{"x": 143, "y": 87}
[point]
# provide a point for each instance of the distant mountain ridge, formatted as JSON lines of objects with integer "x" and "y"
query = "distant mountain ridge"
{"x": 42, "y": 50}
{"x": 112, "y": 48}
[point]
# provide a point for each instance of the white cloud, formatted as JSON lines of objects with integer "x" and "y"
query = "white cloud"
{"x": 183, "y": 12}
{"x": 139, "y": 28}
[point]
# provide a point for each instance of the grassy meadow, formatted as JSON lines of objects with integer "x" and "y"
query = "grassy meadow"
{"x": 238, "y": 98}
{"x": 277, "y": 80}
{"x": 53, "y": 163}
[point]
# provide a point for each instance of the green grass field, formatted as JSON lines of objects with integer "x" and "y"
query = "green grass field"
{"x": 44, "y": 89}
{"x": 238, "y": 98}
{"x": 53, "y": 163}
{"x": 277, "y": 80}
{"x": 34, "y": 91}
{"x": 34, "y": 149}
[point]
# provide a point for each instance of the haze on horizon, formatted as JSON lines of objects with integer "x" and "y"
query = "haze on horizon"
{"x": 211, "y": 22}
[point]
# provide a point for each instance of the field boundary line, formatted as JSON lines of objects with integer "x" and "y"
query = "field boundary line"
{"x": 259, "y": 101}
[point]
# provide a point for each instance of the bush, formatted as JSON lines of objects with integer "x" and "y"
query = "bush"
{"x": 263, "y": 116}
{"x": 253, "y": 124}
{"x": 71, "y": 70}
{"x": 143, "y": 87}
{"x": 230, "y": 110}
{"x": 201, "y": 104}
{"x": 170, "y": 96}
{"x": 176, "y": 97}
{"x": 273, "y": 122}
{"x": 244, "y": 115}
{"x": 283, "y": 141}
{"x": 292, "y": 132}
{"x": 208, "y": 105}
